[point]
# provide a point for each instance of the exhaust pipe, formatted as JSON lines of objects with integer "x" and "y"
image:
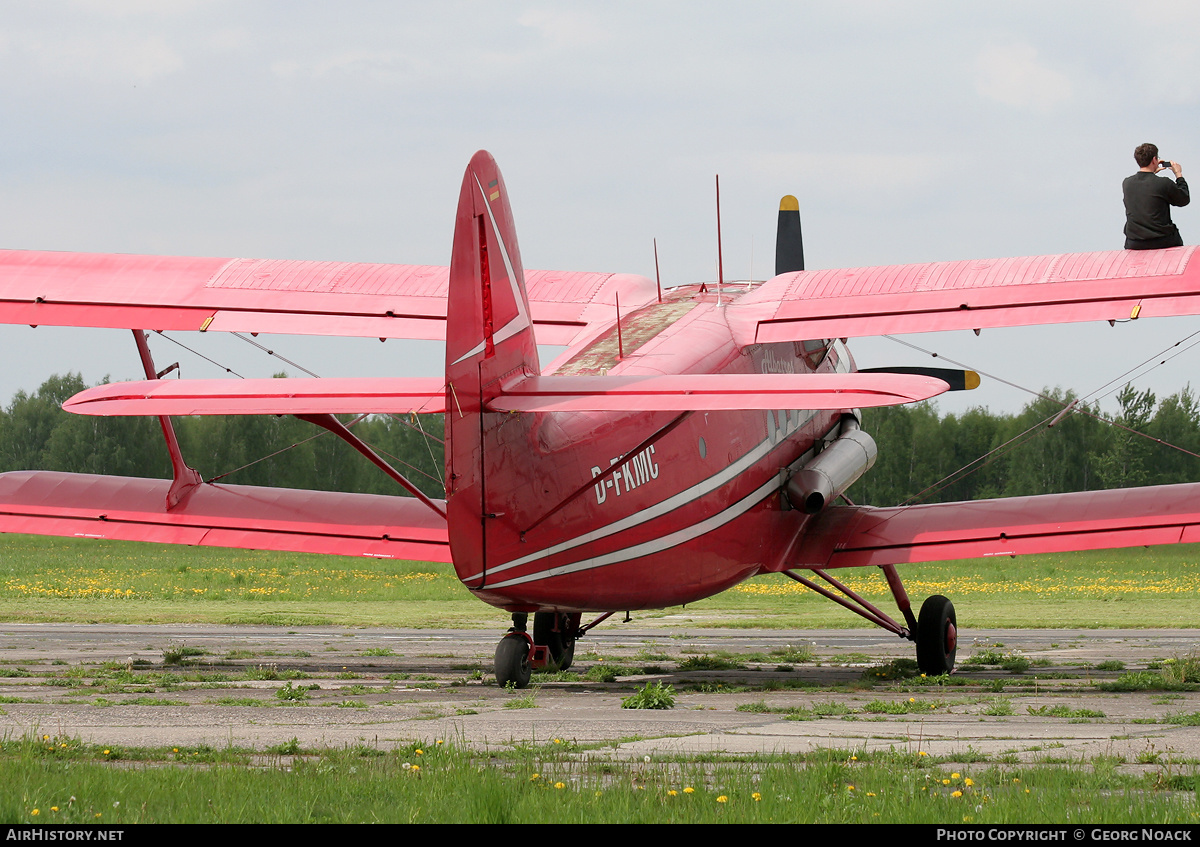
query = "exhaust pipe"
{"x": 835, "y": 468}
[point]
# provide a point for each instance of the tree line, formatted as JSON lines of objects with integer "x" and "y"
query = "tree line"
{"x": 928, "y": 458}
{"x": 36, "y": 434}
{"x": 924, "y": 456}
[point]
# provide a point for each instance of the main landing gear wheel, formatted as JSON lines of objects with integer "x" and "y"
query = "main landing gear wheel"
{"x": 561, "y": 644}
{"x": 512, "y": 660}
{"x": 937, "y": 636}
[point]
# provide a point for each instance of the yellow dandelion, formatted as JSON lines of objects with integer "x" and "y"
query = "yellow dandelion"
{"x": 107, "y": 752}
{"x": 535, "y": 777}
{"x": 955, "y": 775}
{"x": 558, "y": 741}
{"x": 560, "y": 785}
{"x": 33, "y": 811}
{"x": 722, "y": 799}
{"x": 968, "y": 782}
{"x": 912, "y": 699}
{"x": 689, "y": 790}
{"x": 922, "y": 753}
{"x": 854, "y": 758}
{"x": 439, "y": 741}
{"x": 945, "y": 782}
{"x": 849, "y": 787}
{"x": 54, "y": 808}
{"x": 955, "y": 793}
{"x": 45, "y": 737}
{"x": 419, "y": 752}
{"x": 756, "y": 796}
{"x": 672, "y": 793}
{"x": 416, "y": 768}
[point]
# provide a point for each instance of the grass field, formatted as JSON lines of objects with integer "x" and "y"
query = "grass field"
{"x": 57, "y": 778}
{"x": 54, "y": 579}
{"x": 59, "y": 781}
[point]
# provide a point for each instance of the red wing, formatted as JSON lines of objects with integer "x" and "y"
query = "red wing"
{"x": 856, "y": 536}
{"x": 250, "y": 517}
{"x": 854, "y": 302}
{"x": 300, "y": 396}
{"x": 280, "y": 296}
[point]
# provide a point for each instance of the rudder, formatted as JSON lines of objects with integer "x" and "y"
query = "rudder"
{"x": 489, "y": 336}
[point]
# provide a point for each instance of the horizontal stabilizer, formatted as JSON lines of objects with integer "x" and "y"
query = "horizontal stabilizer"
{"x": 714, "y": 392}
{"x": 858, "y": 536}
{"x": 958, "y": 380}
{"x": 241, "y": 516}
{"x": 292, "y": 396}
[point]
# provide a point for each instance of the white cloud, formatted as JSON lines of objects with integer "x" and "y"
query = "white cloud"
{"x": 1015, "y": 76}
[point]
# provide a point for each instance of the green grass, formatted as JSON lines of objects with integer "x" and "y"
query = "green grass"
{"x": 64, "y": 781}
{"x": 60, "y": 579}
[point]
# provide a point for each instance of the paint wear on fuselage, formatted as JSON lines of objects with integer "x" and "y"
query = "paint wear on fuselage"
{"x": 691, "y": 512}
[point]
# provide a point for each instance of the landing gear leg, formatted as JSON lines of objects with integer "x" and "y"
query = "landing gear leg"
{"x": 937, "y": 636}
{"x": 512, "y": 654}
{"x": 557, "y": 632}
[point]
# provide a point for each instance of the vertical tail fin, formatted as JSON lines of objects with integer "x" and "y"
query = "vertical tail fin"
{"x": 489, "y": 335}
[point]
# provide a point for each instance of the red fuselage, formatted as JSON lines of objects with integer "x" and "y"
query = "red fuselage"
{"x": 592, "y": 511}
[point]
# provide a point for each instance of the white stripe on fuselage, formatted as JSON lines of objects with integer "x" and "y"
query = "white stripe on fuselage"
{"x": 657, "y": 545}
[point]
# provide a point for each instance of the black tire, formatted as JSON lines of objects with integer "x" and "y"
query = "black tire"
{"x": 512, "y": 661}
{"x": 937, "y": 636}
{"x": 561, "y": 644}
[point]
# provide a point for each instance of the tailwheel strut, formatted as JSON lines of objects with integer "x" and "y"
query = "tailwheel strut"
{"x": 935, "y": 631}
{"x": 556, "y": 631}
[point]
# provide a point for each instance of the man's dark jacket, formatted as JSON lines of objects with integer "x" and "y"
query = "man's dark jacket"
{"x": 1148, "y": 202}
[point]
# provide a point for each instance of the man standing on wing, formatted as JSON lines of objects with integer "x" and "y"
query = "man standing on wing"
{"x": 1148, "y": 202}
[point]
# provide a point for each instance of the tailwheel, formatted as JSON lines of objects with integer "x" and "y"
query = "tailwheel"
{"x": 512, "y": 660}
{"x": 561, "y": 644}
{"x": 937, "y": 636}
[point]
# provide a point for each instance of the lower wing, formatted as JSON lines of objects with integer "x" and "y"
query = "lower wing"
{"x": 858, "y": 536}
{"x": 250, "y": 517}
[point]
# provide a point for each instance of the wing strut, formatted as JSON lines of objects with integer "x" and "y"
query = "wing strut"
{"x": 335, "y": 426}
{"x": 861, "y": 607}
{"x": 183, "y": 478}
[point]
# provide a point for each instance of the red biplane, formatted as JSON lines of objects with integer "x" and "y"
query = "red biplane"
{"x": 684, "y": 441}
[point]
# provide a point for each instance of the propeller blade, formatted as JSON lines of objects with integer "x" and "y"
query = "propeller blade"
{"x": 789, "y": 245}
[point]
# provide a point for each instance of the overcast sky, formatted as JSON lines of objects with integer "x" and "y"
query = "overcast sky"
{"x": 910, "y": 132}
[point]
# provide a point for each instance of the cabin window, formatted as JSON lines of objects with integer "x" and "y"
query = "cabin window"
{"x": 813, "y": 352}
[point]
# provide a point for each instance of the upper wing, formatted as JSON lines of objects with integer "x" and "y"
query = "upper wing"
{"x": 245, "y": 516}
{"x": 856, "y": 536}
{"x": 852, "y": 302}
{"x": 281, "y": 296}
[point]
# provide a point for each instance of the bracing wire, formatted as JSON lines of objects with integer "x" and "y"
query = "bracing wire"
{"x": 418, "y": 428}
{"x": 1041, "y": 427}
